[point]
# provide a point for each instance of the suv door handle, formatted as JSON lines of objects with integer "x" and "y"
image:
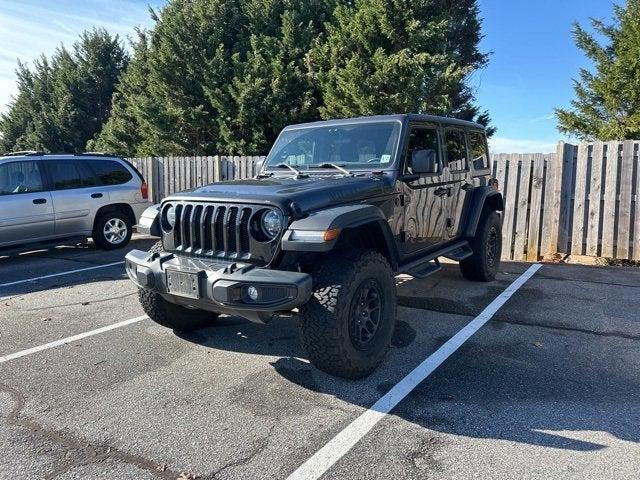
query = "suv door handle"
{"x": 39, "y": 201}
{"x": 96, "y": 195}
{"x": 442, "y": 191}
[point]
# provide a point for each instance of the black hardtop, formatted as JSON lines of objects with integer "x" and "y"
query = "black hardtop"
{"x": 404, "y": 118}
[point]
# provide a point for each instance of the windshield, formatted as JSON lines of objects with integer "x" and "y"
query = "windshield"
{"x": 354, "y": 146}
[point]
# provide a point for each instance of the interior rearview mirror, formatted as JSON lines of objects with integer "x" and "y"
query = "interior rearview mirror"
{"x": 424, "y": 161}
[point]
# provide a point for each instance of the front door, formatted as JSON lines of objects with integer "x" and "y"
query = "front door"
{"x": 424, "y": 204}
{"x": 26, "y": 209}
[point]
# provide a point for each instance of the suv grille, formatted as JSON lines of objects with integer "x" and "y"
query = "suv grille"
{"x": 210, "y": 230}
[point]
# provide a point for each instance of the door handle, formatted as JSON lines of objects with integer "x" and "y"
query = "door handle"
{"x": 39, "y": 201}
{"x": 466, "y": 187}
{"x": 442, "y": 191}
{"x": 96, "y": 195}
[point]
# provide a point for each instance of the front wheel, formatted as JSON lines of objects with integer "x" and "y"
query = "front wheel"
{"x": 348, "y": 323}
{"x": 170, "y": 315}
{"x": 483, "y": 265}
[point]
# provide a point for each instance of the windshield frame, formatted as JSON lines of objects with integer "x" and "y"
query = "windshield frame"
{"x": 391, "y": 166}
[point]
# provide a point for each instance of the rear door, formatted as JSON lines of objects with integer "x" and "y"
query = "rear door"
{"x": 77, "y": 195}
{"x": 26, "y": 208}
{"x": 458, "y": 178}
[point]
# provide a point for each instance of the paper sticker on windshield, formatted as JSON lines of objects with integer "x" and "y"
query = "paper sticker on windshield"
{"x": 385, "y": 158}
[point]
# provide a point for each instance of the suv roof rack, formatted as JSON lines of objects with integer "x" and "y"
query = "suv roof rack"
{"x": 22, "y": 152}
{"x": 96, "y": 154}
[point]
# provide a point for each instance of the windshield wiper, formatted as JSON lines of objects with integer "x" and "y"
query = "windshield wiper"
{"x": 298, "y": 173}
{"x": 332, "y": 165}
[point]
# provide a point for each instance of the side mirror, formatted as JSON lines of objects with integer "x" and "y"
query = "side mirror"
{"x": 424, "y": 161}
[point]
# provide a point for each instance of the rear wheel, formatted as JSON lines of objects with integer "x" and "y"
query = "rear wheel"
{"x": 112, "y": 230}
{"x": 170, "y": 315}
{"x": 483, "y": 265}
{"x": 348, "y": 323}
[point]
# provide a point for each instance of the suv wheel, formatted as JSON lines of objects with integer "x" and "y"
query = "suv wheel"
{"x": 112, "y": 230}
{"x": 348, "y": 323}
{"x": 170, "y": 315}
{"x": 483, "y": 265}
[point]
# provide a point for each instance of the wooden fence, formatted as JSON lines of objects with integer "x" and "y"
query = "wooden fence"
{"x": 581, "y": 200}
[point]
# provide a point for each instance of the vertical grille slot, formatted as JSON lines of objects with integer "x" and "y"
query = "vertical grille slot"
{"x": 230, "y": 231}
{"x": 185, "y": 224}
{"x": 243, "y": 231}
{"x": 196, "y": 218}
{"x": 205, "y": 229}
{"x": 177, "y": 237}
{"x": 219, "y": 230}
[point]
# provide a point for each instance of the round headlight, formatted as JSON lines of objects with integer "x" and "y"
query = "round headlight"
{"x": 170, "y": 215}
{"x": 271, "y": 223}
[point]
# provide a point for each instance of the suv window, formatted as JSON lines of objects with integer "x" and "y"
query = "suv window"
{"x": 479, "y": 154}
{"x": 422, "y": 138}
{"x": 456, "y": 150}
{"x": 66, "y": 174}
{"x": 20, "y": 177}
{"x": 110, "y": 172}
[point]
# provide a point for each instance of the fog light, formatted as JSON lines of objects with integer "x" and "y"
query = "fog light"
{"x": 252, "y": 292}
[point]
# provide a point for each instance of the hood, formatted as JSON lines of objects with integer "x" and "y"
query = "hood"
{"x": 312, "y": 193}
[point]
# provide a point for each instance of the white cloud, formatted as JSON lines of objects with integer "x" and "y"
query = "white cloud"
{"x": 522, "y": 145}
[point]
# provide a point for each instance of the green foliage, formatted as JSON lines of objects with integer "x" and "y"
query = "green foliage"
{"x": 607, "y": 101}
{"x": 63, "y": 102}
{"x": 396, "y": 56}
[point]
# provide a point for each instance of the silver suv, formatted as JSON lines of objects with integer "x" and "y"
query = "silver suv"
{"x": 54, "y": 197}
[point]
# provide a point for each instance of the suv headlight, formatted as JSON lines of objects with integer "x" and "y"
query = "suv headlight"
{"x": 169, "y": 217}
{"x": 271, "y": 223}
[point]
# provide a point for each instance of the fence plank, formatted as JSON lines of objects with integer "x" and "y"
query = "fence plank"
{"x": 636, "y": 230}
{"x": 510, "y": 206}
{"x": 595, "y": 199}
{"x": 610, "y": 199}
{"x": 577, "y": 235}
{"x": 523, "y": 208}
{"x": 624, "y": 209}
{"x": 535, "y": 209}
{"x": 551, "y": 203}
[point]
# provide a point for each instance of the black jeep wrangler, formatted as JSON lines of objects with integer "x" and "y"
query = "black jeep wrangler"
{"x": 337, "y": 210}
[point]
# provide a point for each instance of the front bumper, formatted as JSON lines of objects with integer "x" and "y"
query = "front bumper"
{"x": 219, "y": 287}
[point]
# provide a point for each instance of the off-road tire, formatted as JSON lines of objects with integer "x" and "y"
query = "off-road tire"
{"x": 98, "y": 230}
{"x": 483, "y": 266}
{"x": 326, "y": 319}
{"x": 170, "y": 315}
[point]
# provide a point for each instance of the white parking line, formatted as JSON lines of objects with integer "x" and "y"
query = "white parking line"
{"x": 337, "y": 447}
{"x": 68, "y": 272}
{"x": 64, "y": 341}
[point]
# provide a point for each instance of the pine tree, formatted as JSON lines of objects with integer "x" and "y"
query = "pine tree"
{"x": 396, "y": 56}
{"x": 607, "y": 101}
{"x": 62, "y": 102}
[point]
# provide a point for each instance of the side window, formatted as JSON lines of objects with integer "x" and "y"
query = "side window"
{"x": 110, "y": 172}
{"x": 20, "y": 177}
{"x": 479, "y": 154}
{"x": 422, "y": 138}
{"x": 456, "y": 150}
{"x": 66, "y": 174}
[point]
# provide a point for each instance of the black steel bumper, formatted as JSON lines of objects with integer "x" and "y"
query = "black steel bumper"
{"x": 232, "y": 288}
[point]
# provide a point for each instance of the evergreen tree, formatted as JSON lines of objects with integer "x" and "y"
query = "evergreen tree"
{"x": 395, "y": 56}
{"x": 607, "y": 102}
{"x": 63, "y": 102}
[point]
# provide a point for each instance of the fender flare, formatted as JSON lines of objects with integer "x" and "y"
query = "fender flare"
{"x": 482, "y": 196}
{"x": 342, "y": 218}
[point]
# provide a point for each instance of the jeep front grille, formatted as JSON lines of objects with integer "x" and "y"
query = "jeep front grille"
{"x": 212, "y": 230}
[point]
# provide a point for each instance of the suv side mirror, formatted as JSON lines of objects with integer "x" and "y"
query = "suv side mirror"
{"x": 424, "y": 161}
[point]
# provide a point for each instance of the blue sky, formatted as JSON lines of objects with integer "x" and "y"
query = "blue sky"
{"x": 530, "y": 71}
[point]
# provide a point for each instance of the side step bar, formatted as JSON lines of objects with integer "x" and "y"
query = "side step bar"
{"x": 429, "y": 264}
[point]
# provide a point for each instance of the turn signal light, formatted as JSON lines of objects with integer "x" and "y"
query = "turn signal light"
{"x": 144, "y": 190}
{"x": 494, "y": 183}
{"x": 331, "y": 234}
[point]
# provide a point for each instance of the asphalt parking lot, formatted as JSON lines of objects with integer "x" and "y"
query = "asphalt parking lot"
{"x": 548, "y": 388}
